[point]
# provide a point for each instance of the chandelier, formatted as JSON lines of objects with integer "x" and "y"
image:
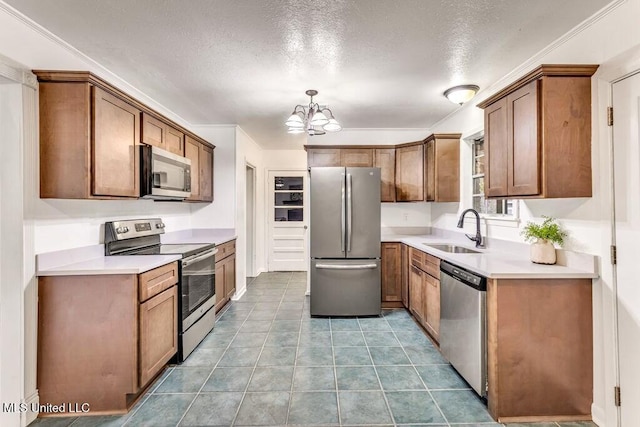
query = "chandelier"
{"x": 314, "y": 119}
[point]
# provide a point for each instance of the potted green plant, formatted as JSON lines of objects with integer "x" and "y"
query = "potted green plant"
{"x": 542, "y": 238}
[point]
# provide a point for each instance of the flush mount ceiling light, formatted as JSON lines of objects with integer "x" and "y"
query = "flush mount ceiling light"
{"x": 461, "y": 94}
{"x": 314, "y": 119}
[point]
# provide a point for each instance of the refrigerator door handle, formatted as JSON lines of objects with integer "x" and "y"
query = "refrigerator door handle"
{"x": 343, "y": 217}
{"x": 349, "y": 213}
{"x": 346, "y": 266}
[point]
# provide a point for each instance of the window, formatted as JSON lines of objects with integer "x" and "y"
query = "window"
{"x": 492, "y": 207}
{"x": 288, "y": 198}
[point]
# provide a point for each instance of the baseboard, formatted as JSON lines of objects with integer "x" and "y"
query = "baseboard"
{"x": 260, "y": 271}
{"x": 598, "y": 415}
{"x": 238, "y": 295}
{"x": 32, "y": 401}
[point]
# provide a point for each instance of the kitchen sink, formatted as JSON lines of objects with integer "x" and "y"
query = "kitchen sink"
{"x": 453, "y": 249}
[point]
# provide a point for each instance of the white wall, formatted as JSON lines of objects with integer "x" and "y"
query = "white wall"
{"x": 601, "y": 40}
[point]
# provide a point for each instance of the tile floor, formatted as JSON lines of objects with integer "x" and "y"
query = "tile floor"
{"x": 267, "y": 363}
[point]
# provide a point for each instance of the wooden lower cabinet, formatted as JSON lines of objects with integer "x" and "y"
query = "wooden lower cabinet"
{"x": 416, "y": 293}
{"x": 424, "y": 283}
{"x": 432, "y": 306}
{"x": 404, "y": 274}
{"x": 225, "y": 273}
{"x": 98, "y": 342}
{"x": 391, "y": 275}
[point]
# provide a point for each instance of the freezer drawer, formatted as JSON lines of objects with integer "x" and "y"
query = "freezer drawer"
{"x": 345, "y": 287}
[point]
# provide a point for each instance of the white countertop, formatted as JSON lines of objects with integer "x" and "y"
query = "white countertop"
{"x": 90, "y": 260}
{"x": 497, "y": 264}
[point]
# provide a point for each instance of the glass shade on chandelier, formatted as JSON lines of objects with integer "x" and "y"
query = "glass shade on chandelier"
{"x": 313, "y": 119}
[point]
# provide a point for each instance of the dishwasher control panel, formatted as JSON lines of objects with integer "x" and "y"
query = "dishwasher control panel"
{"x": 472, "y": 279}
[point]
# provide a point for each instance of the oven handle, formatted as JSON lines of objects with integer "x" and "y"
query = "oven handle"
{"x": 199, "y": 257}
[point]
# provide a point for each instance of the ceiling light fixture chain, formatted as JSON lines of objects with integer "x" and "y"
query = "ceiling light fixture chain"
{"x": 313, "y": 119}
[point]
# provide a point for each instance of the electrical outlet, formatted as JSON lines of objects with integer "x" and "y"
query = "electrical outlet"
{"x": 405, "y": 217}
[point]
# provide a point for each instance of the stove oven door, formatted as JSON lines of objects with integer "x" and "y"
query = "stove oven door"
{"x": 198, "y": 286}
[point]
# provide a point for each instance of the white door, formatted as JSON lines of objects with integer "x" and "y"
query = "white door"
{"x": 288, "y": 219}
{"x": 626, "y": 107}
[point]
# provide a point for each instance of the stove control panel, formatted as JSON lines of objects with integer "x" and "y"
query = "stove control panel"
{"x": 131, "y": 228}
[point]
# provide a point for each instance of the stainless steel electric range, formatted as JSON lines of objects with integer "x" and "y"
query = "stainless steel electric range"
{"x": 196, "y": 315}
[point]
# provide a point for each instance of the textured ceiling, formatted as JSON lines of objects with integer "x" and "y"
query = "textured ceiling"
{"x": 376, "y": 63}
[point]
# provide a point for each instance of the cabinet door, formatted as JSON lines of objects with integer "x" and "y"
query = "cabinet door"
{"x": 446, "y": 180}
{"x": 116, "y": 133}
{"x": 174, "y": 141}
{"x": 391, "y": 284}
{"x": 192, "y": 152}
{"x": 385, "y": 159}
{"x": 323, "y": 157}
{"x": 206, "y": 173}
{"x": 416, "y": 294}
{"x": 432, "y": 306}
{"x": 496, "y": 143}
{"x": 410, "y": 174}
{"x": 404, "y": 275}
{"x": 158, "y": 333}
{"x": 524, "y": 143}
{"x": 356, "y": 157}
{"x": 430, "y": 171}
{"x": 153, "y": 131}
{"x": 230, "y": 276}
{"x": 221, "y": 296}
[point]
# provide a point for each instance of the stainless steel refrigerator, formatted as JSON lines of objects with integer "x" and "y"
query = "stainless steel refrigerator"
{"x": 345, "y": 241}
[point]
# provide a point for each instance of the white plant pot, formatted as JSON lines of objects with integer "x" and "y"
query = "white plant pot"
{"x": 543, "y": 252}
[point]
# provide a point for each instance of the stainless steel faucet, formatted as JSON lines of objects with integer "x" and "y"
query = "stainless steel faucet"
{"x": 478, "y": 237}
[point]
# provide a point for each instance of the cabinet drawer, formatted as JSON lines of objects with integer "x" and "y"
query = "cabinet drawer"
{"x": 417, "y": 258}
{"x": 225, "y": 249}
{"x": 432, "y": 265}
{"x": 153, "y": 282}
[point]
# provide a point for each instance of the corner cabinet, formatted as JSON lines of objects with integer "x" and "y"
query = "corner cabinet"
{"x": 410, "y": 173}
{"x": 225, "y": 273}
{"x": 385, "y": 159}
{"x": 90, "y": 132}
{"x": 442, "y": 168}
{"x": 102, "y": 339}
{"x": 538, "y": 135}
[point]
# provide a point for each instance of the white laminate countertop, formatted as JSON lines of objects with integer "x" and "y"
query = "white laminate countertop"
{"x": 90, "y": 260}
{"x": 501, "y": 264}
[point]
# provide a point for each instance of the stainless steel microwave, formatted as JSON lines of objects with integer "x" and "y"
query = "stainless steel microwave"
{"x": 164, "y": 175}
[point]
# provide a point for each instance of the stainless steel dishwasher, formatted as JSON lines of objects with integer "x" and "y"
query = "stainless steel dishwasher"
{"x": 463, "y": 329}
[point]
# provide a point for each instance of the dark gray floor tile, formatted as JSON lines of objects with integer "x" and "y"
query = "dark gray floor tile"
{"x": 204, "y": 357}
{"x": 249, "y": 339}
{"x": 388, "y": 356}
{"x": 347, "y": 338}
{"x": 441, "y": 377}
{"x": 266, "y": 315}
{"x": 395, "y": 313}
{"x": 217, "y": 340}
{"x": 345, "y": 324}
{"x": 267, "y": 305}
{"x": 272, "y": 378}
{"x": 263, "y": 409}
{"x": 357, "y": 378}
{"x": 374, "y": 324}
{"x": 413, "y": 338}
{"x": 255, "y": 326}
{"x": 381, "y": 339}
{"x": 316, "y": 324}
{"x": 53, "y": 422}
{"x": 462, "y": 406}
{"x": 363, "y": 407}
{"x": 285, "y": 326}
{"x": 315, "y": 339}
{"x": 229, "y": 326}
{"x": 277, "y": 356}
{"x": 313, "y": 379}
{"x": 99, "y": 421}
{"x": 413, "y": 407}
{"x": 314, "y": 356}
{"x": 161, "y": 410}
{"x": 399, "y": 378}
{"x": 240, "y": 356}
{"x": 424, "y": 355}
{"x": 228, "y": 379}
{"x": 184, "y": 380}
{"x": 294, "y": 305}
{"x": 403, "y": 325}
{"x": 356, "y": 356}
{"x": 282, "y": 339}
{"x": 211, "y": 409}
{"x": 234, "y": 316}
{"x": 289, "y": 314}
{"x": 161, "y": 378}
{"x": 313, "y": 408}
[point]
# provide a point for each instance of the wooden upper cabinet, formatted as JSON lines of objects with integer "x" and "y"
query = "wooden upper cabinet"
{"x": 442, "y": 168}
{"x": 192, "y": 152}
{"x": 356, "y": 157}
{"x": 159, "y": 134}
{"x": 174, "y": 141}
{"x": 115, "y": 155}
{"x": 323, "y": 157}
{"x": 538, "y": 135}
{"x": 206, "y": 173}
{"x": 410, "y": 173}
{"x": 385, "y": 159}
